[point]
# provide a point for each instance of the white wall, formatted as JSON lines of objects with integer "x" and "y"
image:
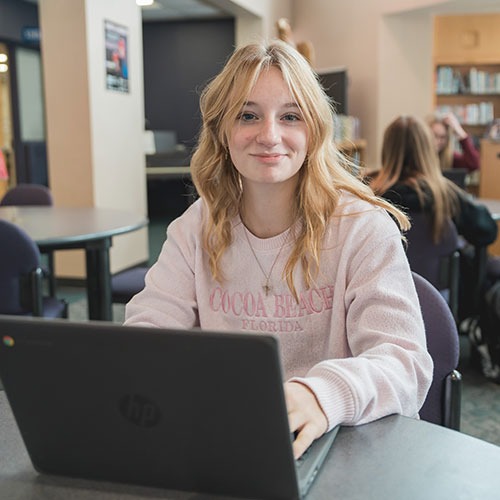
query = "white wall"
{"x": 94, "y": 135}
{"x": 255, "y": 19}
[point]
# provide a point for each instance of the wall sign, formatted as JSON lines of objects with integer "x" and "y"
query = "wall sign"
{"x": 116, "y": 37}
{"x": 30, "y": 34}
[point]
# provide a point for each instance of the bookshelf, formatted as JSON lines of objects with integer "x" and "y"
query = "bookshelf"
{"x": 466, "y": 63}
{"x": 471, "y": 92}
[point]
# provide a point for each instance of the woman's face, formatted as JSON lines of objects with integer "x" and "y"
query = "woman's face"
{"x": 268, "y": 140}
{"x": 440, "y": 136}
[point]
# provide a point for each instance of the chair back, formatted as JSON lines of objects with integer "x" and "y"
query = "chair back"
{"x": 442, "y": 404}
{"x": 19, "y": 264}
{"x": 436, "y": 262}
{"x": 457, "y": 175}
{"x": 127, "y": 283}
{"x": 28, "y": 194}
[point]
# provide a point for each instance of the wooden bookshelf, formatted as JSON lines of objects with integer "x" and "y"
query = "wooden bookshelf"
{"x": 466, "y": 62}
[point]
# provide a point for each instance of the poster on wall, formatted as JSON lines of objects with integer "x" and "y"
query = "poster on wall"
{"x": 116, "y": 37}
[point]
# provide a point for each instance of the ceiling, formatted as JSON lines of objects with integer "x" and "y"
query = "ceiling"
{"x": 181, "y": 9}
{"x": 171, "y": 10}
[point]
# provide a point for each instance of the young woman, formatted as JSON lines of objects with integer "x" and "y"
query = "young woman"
{"x": 285, "y": 240}
{"x": 411, "y": 178}
{"x": 445, "y": 129}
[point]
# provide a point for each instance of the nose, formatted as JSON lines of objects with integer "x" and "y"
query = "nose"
{"x": 268, "y": 134}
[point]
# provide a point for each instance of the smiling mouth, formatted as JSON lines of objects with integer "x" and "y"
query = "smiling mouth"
{"x": 272, "y": 156}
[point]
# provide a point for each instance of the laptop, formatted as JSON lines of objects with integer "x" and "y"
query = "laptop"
{"x": 178, "y": 409}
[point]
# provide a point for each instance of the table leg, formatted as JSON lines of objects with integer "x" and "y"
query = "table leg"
{"x": 99, "y": 280}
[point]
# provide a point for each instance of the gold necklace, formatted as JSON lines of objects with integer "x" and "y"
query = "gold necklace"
{"x": 267, "y": 286}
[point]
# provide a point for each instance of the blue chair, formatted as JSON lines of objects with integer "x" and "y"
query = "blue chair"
{"x": 21, "y": 287}
{"x": 36, "y": 195}
{"x": 438, "y": 263}
{"x": 443, "y": 402}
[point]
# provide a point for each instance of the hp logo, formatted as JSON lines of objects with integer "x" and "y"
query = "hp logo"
{"x": 139, "y": 410}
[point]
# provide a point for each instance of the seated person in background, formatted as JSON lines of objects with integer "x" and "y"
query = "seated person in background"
{"x": 445, "y": 128}
{"x": 284, "y": 240}
{"x": 411, "y": 178}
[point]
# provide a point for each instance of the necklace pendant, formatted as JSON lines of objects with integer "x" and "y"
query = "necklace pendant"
{"x": 267, "y": 288}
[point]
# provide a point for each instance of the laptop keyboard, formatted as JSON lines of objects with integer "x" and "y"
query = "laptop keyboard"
{"x": 299, "y": 461}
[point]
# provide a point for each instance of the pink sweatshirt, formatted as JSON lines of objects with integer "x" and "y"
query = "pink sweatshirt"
{"x": 356, "y": 338}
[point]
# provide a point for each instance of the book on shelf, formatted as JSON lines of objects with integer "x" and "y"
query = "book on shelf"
{"x": 452, "y": 81}
{"x": 346, "y": 128}
{"x": 481, "y": 113}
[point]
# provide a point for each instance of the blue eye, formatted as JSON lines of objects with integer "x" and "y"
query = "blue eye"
{"x": 246, "y": 116}
{"x": 291, "y": 117}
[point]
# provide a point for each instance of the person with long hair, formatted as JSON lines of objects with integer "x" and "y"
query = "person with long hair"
{"x": 411, "y": 178}
{"x": 285, "y": 240}
{"x": 447, "y": 131}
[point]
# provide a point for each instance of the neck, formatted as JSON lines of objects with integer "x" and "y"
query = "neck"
{"x": 267, "y": 214}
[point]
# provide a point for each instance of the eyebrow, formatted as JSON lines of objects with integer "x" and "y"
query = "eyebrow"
{"x": 286, "y": 105}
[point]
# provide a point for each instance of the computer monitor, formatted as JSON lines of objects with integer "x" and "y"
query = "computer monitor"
{"x": 335, "y": 82}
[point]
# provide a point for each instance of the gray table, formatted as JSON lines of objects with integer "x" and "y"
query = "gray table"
{"x": 493, "y": 206}
{"x": 88, "y": 228}
{"x": 393, "y": 458}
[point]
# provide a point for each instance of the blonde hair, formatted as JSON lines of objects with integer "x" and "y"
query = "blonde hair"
{"x": 409, "y": 157}
{"x": 323, "y": 176}
{"x": 446, "y": 153}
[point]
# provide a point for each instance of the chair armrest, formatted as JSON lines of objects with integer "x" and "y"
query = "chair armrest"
{"x": 452, "y": 400}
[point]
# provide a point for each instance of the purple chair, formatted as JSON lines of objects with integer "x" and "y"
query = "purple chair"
{"x": 28, "y": 194}
{"x": 36, "y": 195}
{"x": 438, "y": 263}
{"x": 442, "y": 404}
{"x": 21, "y": 277}
{"x": 125, "y": 284}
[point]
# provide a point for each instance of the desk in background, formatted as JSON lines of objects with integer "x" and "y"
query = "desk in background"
{"x": 89, "y": 228}
{"x": 493, "y": 206}
{"x": 392, "y": 458}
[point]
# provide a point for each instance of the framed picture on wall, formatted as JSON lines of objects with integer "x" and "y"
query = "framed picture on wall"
{"x": 116, "y": 41}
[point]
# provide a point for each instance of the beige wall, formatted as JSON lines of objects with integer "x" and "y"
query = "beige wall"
{"x": 387, "y": 48}
{"x": 94, "y": 135}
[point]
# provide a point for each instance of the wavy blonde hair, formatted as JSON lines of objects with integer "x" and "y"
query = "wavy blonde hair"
{"x": 323, "y": 176}
{"x": 409, "y": 157}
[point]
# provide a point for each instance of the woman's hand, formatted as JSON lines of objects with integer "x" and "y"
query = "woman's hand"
{"x": 305, "y": 416}
{"x": 451, "y": 120}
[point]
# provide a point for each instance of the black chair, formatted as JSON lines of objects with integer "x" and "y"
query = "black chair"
{"x": 438, "y": 263}
{"x": 457, "y": 175}
{"x": 125, "y": 284}
{"x": 36, "y": 195}
{"x": 21, "y": 287}
{"x": 442, "y": 404}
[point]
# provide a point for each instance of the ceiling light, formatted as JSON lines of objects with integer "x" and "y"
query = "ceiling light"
{"x": 3, "y": 58}
{"x": 4, "y": 68}
{"x": 143, "y": 3}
